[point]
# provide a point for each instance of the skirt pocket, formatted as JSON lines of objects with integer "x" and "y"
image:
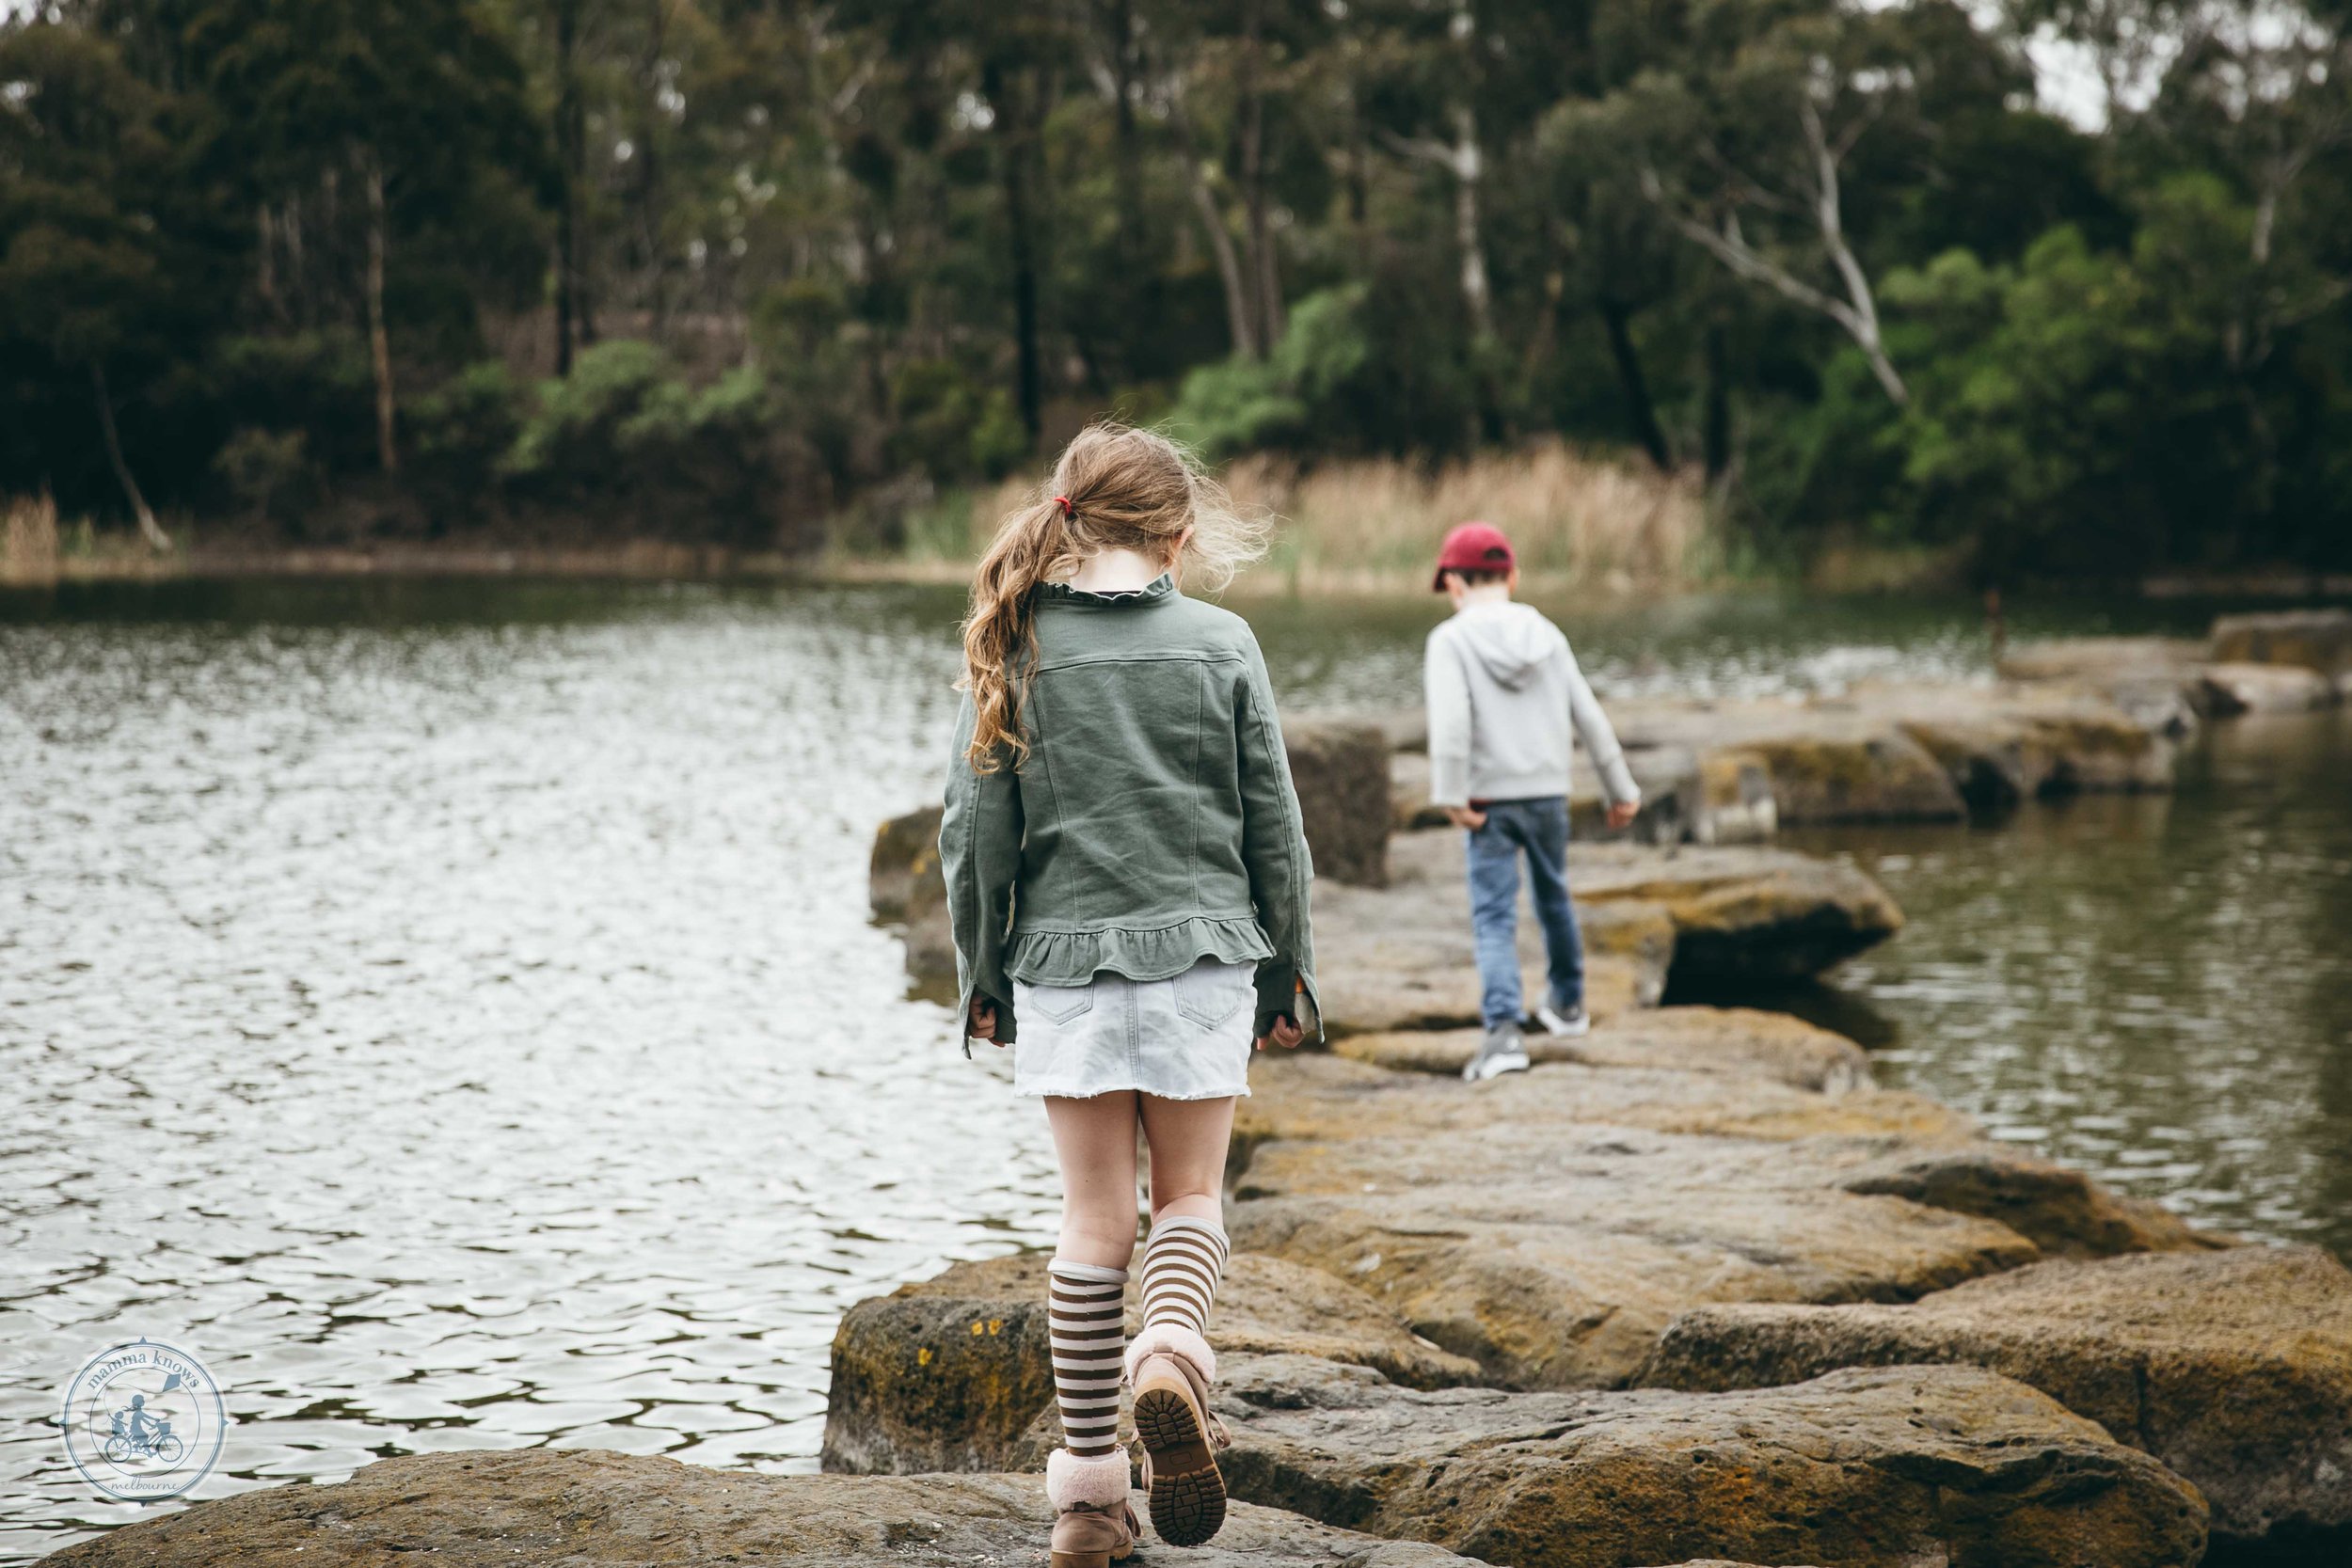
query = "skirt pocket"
{"x": 1211, "y": 992}
{"x": 1057, "y": 1004}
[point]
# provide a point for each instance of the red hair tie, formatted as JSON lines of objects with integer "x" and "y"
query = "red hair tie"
{"x": 1067, "y": 510}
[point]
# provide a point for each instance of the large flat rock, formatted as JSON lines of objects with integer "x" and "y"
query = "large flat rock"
{"x": 1828, "y": 762}
{"x": 1732, "y": 1040}
{"x": 1550, "y": 1224}
{"x": 1869, "y": 754}
{"x": 2318, "y": 639}
{"x": 2101, "y": 661}
{"x": 1744, "y": 915}
{"x": 1867, "y": 1469}
{"x": 1341, "y": 771}
{"x": 953, "y": 1374}
{"x": 2090, "y": 716}
{"x": 1310, "y": 1096}
{"x": 2231, "y": 690}
{"x": 2003, "y": 748}
{"x": 2233, "y": 1367}
{"x": 1691, "y": 916}
{"x": 568, "y": 1509}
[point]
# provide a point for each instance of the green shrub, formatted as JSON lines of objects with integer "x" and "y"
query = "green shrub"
{"x": 269, "y": 471}
{"x": 950, "y": 426}
{"x": 570, "y": 442}
{"x": 459, "y": 434}
{"x": 1359, "y": 368}
{"x": 318, "y": 383}
{"x": 627, "y": 441}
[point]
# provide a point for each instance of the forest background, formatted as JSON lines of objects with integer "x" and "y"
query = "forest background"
{"x": 1679, "y": 288}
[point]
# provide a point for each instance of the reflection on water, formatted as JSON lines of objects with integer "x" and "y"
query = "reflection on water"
{"x": 2154, "y": 989}
{"x": 464, "y": 1032}
{"x": 448, "y": 1008}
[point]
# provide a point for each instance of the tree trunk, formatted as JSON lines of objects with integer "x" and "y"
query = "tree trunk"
{"x": 1468, "y": 169}
{"x": 1266, "y": 318}
{"x": 1237, "y": 315}
{"x": 150, "y": 530}
{"x": 1126, "y": 142}
{"x": 569, "y": 152}
{"x": 266, "y": 260}
{"x": 1013, "y": 170}
{"x": 1228, "y": 263}
{"x": 379, "y": 340}
{"x": 297, "y": 275}
{"x": 1640, "y": 414}
{"x": 647, "y": 186}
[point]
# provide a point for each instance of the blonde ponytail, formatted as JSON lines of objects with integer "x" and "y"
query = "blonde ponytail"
{"x": 1001, "y": 631}
{"x": 1113, "y": 487}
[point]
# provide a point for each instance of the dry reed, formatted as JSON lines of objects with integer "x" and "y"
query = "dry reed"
{"x": 1373, "y": 526}
{"x": 28, "y": 540}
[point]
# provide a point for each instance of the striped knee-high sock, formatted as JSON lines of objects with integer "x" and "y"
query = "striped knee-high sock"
{"x": 1086, "y": 1310}
{"x": 1183, "y": 1260}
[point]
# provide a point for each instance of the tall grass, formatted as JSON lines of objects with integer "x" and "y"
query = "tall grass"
{"x": 29, "y": 539}
{"x": 1372, "y": 525}
{"x": 1375, "y": 524}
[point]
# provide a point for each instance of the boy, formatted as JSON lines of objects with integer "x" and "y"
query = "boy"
{"x": 1503, "y": 690}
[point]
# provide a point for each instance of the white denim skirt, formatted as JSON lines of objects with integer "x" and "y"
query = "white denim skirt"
{"x": 1187, "y": 1037}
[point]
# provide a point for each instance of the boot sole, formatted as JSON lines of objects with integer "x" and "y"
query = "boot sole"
{"x": 1188, "y": 1493}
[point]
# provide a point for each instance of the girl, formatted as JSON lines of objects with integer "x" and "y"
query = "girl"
{"x": 1127, "y": 880}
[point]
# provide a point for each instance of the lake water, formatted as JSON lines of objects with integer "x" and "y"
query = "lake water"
{"x": 449, "y": 1008}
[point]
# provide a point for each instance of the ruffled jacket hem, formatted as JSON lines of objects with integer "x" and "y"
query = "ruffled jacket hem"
{"x": 1051, "y": 957}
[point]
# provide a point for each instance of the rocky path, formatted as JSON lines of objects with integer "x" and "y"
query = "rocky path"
{"x": 1695, "y": 1287}
{"x": 557, "y": 1509}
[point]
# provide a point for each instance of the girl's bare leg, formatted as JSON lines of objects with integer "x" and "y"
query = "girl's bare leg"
{"x": 1188, "y": 1139}
{"x": 1095, "y": 1141}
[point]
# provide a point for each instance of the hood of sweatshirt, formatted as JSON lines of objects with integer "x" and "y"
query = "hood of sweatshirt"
{"x": 1510, "y": 641}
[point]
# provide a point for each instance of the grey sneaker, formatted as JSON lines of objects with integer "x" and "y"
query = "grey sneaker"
{"x": 1503, "y": 1052}
{"x": 1564, "y": 1022}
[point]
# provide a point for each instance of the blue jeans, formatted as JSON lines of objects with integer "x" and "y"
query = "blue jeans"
{"x": 1540, "y": 828}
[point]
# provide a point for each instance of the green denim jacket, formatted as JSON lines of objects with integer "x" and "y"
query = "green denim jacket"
{"x": 1154, "y": 823}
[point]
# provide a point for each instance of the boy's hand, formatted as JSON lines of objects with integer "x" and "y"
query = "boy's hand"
{"x": 1285, "y": 1032}
{"x": 981, "y": 1025}
{"x": 1465, "y": 816}
{"x": 1622, "y": 814}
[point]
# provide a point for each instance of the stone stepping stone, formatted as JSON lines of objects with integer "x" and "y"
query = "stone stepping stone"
{"x": 955, "y": 1372}
{"x": 1733, "y": 1040}
{"x": 2233, "y": 1367}
{"x": 546, "y": 1507}
{"x": 1550, "y": 1224}
{"x": 1860, "y": 1468}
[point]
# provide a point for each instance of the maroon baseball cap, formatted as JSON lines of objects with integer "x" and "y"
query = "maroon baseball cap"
{"x": 1472, "y": 547}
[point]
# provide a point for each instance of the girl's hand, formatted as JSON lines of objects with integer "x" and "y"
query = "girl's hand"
{"x": 1465, "y": 816}
{"x": 1621, "y": 814}
{"x": 981, "y": 1025}
{"x": 1285, "y": 1032}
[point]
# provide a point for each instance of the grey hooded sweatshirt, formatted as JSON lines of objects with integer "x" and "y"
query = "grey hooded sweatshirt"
{"x": 1502, "y": 689}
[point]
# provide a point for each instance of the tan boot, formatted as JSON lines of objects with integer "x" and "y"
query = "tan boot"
{"x": 1094, "y": 1525}
{"x": 1171, "y": 1368}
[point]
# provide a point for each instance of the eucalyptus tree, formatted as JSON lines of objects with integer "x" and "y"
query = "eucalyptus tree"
{"x": 109, "y": 240}
{"x": 363, "y": 115}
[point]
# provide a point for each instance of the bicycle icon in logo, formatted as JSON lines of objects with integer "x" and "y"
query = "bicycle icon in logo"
{"x": 144, "y": 1421}
{"x": 139, "y": 1436}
